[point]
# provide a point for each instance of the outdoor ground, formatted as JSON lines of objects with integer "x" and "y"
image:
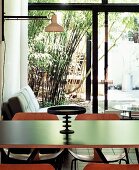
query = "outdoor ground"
{"x": 114, "y": 97}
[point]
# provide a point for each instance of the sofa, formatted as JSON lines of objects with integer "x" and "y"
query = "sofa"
{"x": 23, "y": 101}
{"x": 28, "y": 100}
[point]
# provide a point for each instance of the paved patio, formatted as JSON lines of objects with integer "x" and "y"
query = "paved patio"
{"x": 120, "y": 97}
{"x": 114, "y": 97}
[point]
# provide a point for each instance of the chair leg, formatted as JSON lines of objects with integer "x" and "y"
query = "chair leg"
{"x": 59, "y": 164}
{"x": 126, "y": 155}
{"x": 4, "y": 157}
{"x": 75, "y": 164}
{"x": 72, "y": 162}
{"x": 137, "y": 154}
{"x": 120, "y": 161}
{"x": 124, "y": 161}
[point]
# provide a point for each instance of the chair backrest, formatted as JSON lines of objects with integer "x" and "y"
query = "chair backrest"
{"x": 92, "y": 166}
{"x": 34, "y": 116}
{"x": 100, "y": 116}
{"x": 26, "y": 167}
{"x": 6, "y": 114}
{"x": 14, "y": 105}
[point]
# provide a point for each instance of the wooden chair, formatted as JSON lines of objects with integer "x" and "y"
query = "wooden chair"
{"x": 93, "y": 166}
{"x": 90, "y": 158}
{"x": 100, "y": 116}
{"x": 26, "y": 167}
{"x": 39, "y": 155}
{"x": 34, "y": 116}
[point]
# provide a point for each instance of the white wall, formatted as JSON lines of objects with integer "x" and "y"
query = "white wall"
{"x": 124, "y": 65}
{"x": 24, "y": 46}
{"x": 16, "y": 51}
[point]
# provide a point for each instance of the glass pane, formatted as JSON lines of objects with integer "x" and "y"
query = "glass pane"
{"x": 123, "y": 61}
{"x": 58, "y": 60}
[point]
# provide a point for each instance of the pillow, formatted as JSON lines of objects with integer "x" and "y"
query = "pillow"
{"x": 32, "y": 96}
{"x": 28, "y": 100}
{"x": 25, "y": 104}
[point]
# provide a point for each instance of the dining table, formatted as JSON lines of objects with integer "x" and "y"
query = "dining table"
{"x": 87, "y": 134}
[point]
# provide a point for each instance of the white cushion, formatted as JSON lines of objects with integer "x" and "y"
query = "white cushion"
{"x": 28, "y": 100}
{"x": 32, "y": 97}
{"x": 44, "y": 109}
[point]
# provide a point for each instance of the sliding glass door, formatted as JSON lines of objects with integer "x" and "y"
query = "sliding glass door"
{"x": 118, "y": 73}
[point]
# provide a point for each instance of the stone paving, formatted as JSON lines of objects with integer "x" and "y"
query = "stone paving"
{"x": 114, "y": 97}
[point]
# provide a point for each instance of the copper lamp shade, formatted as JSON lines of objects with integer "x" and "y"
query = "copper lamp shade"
{"x": 54, "y": 26}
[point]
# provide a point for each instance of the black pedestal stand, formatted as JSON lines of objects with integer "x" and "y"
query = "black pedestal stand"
{"x": 66, "y": 111}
